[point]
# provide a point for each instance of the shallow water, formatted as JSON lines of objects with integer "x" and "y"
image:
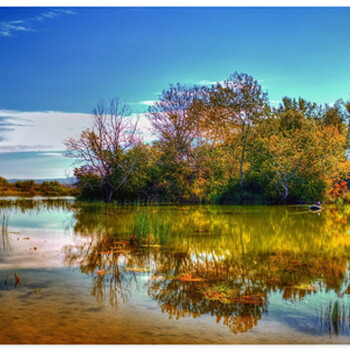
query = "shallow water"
{"x": 70, "y": 273}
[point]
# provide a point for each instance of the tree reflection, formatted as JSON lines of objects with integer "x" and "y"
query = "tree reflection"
{"x": 222, "y": 293}
{"x": 216, "y": 260}
{"x": 36, "y": 206}
{"x": 103, "y": 258}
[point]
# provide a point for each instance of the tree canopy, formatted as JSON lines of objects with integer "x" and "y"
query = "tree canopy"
{"x": 218, "y": 143}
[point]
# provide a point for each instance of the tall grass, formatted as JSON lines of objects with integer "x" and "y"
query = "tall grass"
{"x": 150, "y": 230}
{"x": 161, "y": 229}
{"x": 141, "y": 227}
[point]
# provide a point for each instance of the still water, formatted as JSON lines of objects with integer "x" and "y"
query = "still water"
{"x": 90, "y": 273}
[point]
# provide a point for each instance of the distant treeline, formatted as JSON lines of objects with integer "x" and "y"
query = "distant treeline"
{"x": 30, "y": 188}
{"x": 223, "y": 143}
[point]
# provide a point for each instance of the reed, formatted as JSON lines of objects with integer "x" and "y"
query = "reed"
{"x": 4, "y": 232}
{"x": 334, "y": 319}
{"x": 150, "y": 230}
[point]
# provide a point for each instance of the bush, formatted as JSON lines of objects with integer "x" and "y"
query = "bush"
{"x": 3, "y": 182}
{"x": 53, "y": 188}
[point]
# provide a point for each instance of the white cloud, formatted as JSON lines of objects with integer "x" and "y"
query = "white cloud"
{"x": 9, "y": 28}
{"x": 209, "y": 82}
{"x": 41, "y": 131}
{"x": 4, "y": 148}
{"x": 54, "y": 13}
{"x": 50, "y": 154}
{"x": 147, "y": 103}
{"x": 46, "y": 131}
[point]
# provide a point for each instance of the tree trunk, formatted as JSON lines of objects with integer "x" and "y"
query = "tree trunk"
{"x": 285, "y": 193}
{"x": 241, "y": 172}
{"x": 107, "y": 190}
{"x": 245, "y": 132}
{"x": 110, "y": 193}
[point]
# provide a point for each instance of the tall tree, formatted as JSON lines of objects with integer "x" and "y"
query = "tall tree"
{"x": 299, "y": 153}
{"x": 231, "y": 109}
{"x": 102, "y": 148}
{"x": 176, "y": 127}
{"x": 173, "y": 120}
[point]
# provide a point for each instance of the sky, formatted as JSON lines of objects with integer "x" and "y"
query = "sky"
{"x": 55, "y": 63}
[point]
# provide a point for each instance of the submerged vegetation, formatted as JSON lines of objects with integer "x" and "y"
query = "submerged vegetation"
{"x": 223, "y": 143}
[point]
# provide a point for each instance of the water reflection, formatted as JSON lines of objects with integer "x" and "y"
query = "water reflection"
{"x": 33, "y": 231}
{"x": 222, "y": 262}
{"x": 218, "y": 261}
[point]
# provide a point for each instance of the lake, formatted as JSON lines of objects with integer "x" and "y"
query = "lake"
{"x": 82, "y": 273}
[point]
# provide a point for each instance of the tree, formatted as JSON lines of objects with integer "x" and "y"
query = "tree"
{"x": 173, "y": 120}
{"x": 102, "y": 147}
{"x": 230, "y": 111}
{"x": 176, "y": 127}
{"x": 299, "y": 154}
{"x": 3, "y": 182}
{"x": 53, "y": 188}
{"x": 88, "y": 183}
{"x": 26, "y": 186}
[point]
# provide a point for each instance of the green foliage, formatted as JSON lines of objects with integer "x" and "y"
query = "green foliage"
{"x": 141, "y": 226}
{"x": 29, "y": 187}
{"x": 53, "y": 188}
{"x": 150, "y": 230}
{"x": 233, "y": 193}
{"x": 25, "y": 185}
{"x": 88, "y": 184}
{"x": 3, "y": 182}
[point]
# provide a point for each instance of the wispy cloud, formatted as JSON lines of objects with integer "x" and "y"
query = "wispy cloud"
{"x": 24, "y": 148}
{"x": 209, "y": 82}
{"x": 53, "y": 14}
{"x": 10, "y": 28}
{"x": 50, "y": 154}
{"x": 148, "y": 102}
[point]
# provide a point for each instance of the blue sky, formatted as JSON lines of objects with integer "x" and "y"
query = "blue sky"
{"x": 64, "y": 59}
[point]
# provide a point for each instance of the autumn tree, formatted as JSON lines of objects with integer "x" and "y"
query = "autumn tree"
{"x": 102, "y": 148}
{"x": 176, "y": 128}
{"x": 3, "y": 182}
{"x": 299, "y": 152}
{"x": 230, "y": 111}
